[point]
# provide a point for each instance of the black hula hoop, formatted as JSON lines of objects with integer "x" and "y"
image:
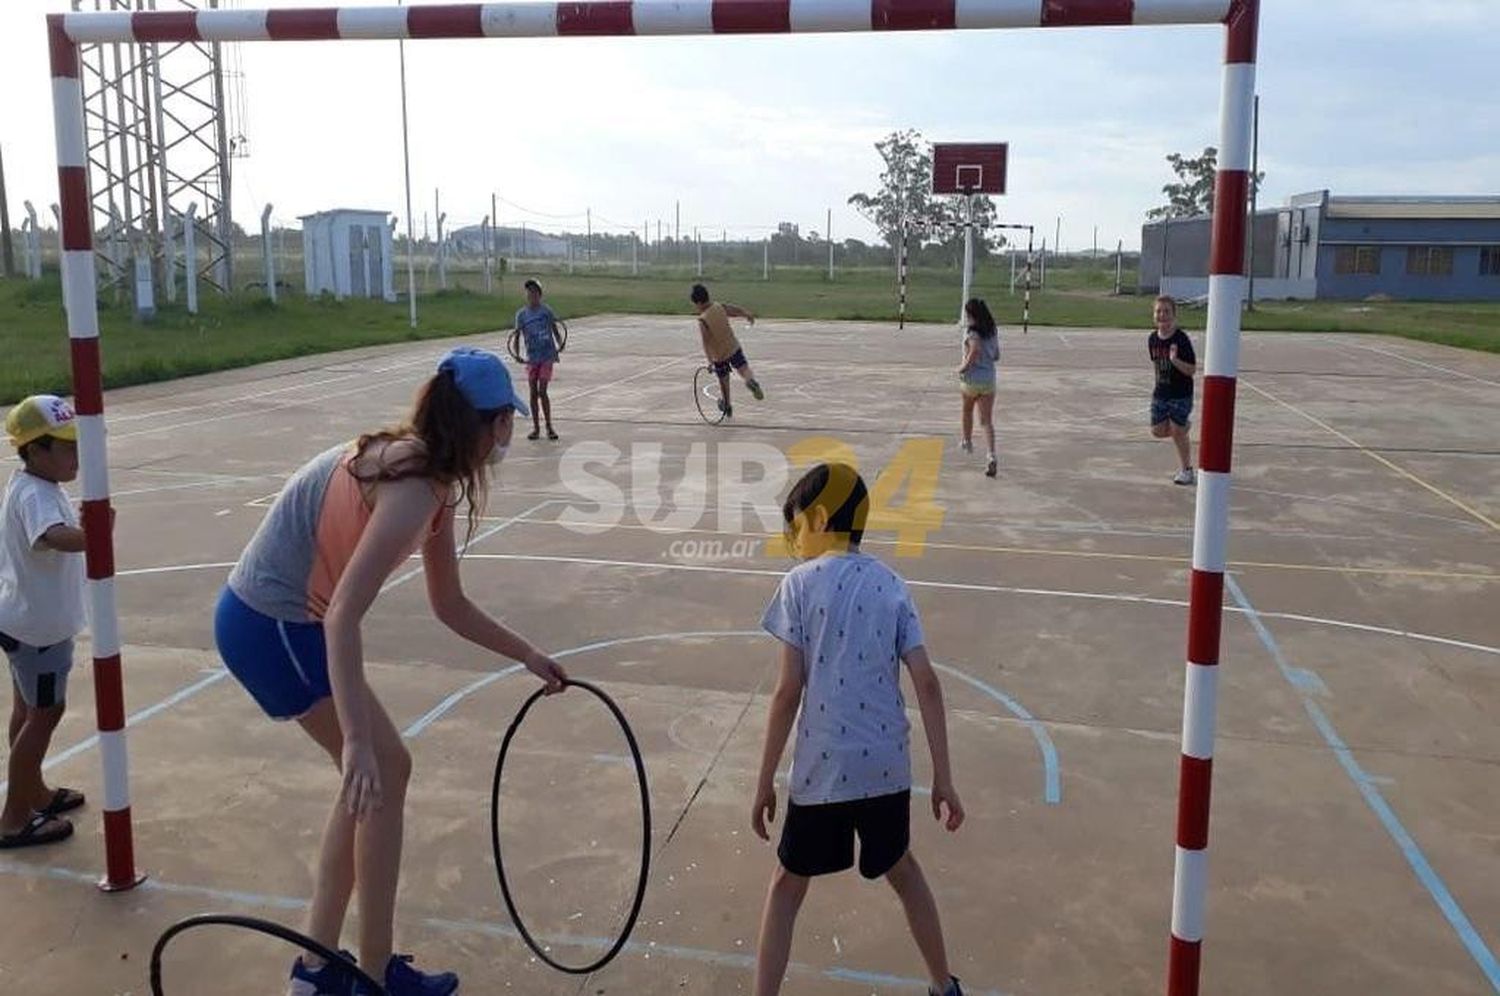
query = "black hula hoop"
{"x": 513, "y": 342}
{"x": 267, "y": 927}
{"x": 640, "y": 888}
{"x": 704, "y": 381}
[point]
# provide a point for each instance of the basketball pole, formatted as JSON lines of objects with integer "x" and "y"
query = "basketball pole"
{"x": 968, "y": 252}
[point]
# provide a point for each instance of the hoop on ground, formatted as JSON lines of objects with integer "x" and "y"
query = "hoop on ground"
{"x": 640, "y": 888}
{"x": 706, "y": 395}
{"x": 267, "y": 927}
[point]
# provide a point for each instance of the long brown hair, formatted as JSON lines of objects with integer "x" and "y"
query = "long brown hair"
{"x": 451, "y": 432}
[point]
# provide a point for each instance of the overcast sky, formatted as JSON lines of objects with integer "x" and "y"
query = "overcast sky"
{"x": 1359, "y": 96}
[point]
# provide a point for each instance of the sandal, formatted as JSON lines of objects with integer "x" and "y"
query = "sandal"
{"x": 40, "y": 829}
{"x": 551, "y": 433}
{"x": 64, "y": 800}
{"x": 534, "y": 435}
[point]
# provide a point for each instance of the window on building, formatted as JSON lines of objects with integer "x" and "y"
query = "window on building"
{"x": 1489, "y": 261}
{"x": 1429, "y": 261}
{"x": 1357, "y": 261}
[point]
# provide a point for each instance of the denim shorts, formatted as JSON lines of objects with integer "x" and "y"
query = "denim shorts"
{"x": 283, "y": 665}
{"x": 1176, "y": 410}
{"x": 41, "y": 673}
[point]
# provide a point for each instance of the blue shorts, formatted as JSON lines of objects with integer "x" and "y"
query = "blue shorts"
{"x": 1177, "y": 410}
{"x": 736, "y": 360}
{"x": 283, "y": 665}
{"x": 41, "y": 673}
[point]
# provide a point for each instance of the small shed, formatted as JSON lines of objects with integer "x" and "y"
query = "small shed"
{"x": 347, "y": 252}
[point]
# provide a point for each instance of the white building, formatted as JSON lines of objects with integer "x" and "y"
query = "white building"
{"x": 347, "y": 253}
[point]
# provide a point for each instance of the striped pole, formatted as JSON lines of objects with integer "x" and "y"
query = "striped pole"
{"x": 1226, "y": 292}
{"x": 88, "y": 397}
{"x": 901, "y": 277}
{"x": 529, "y": 19}
{"x": 1026, "y": 301}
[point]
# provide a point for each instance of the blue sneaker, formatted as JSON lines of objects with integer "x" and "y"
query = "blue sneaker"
{"x": 403, "y": 980}
{"x": 330, "y": 979}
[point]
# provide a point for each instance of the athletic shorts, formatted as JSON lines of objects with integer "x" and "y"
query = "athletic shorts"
{"x": 41, "y": 673}
{"x": 819, "y": 840}
{"x": 283, "y": 665}
{"x": 736, "y": 360}
{"x": 1176, "y": 410}
{"x": 540, "y": 373}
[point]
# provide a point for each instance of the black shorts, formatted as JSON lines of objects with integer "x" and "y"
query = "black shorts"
{"x": 819, "y": 840}
{"x": 735, "y": 361}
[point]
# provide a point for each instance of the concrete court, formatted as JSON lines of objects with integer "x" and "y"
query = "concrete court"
{"x": 1353, "y": 846}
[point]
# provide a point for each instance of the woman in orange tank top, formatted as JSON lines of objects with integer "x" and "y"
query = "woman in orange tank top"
{"x": 288, "y": 626}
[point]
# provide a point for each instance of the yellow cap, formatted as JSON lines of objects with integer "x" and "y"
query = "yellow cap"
{"x": 40, "y": 415}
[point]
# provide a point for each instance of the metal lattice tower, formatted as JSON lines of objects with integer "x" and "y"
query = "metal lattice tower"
{"x": 157, "y": 128}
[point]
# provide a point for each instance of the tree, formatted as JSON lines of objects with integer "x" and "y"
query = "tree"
{"x": 906, "y": 193}
{"x": 1193, "y": 193}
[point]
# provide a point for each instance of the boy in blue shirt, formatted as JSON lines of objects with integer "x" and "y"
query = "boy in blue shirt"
{"x": 846, "y": 622}
{"x": 538, "y": 327}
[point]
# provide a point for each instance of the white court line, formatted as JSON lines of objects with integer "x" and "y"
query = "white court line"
{"x": 464, "y": 547}
{"x": 260, "y": 410}
{"x": 180, "y": 486}
{"x": 944, "y": 586}
{"x": 181, "y": 695}
{"x": 1005, "y": 590}
{"x": 158, "y": 413}
{"x": 1423, "y": 363}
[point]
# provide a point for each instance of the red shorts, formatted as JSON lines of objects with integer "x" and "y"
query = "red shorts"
{"x": 539, "y": 373}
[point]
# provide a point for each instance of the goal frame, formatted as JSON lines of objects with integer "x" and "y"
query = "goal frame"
{"x": 528, "y": 19}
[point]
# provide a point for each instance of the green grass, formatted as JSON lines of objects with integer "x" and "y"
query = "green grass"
{"x": 246, "y": 329}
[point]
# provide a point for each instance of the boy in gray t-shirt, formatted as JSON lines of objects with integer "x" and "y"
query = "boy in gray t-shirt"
{"x": 846, "y": 623}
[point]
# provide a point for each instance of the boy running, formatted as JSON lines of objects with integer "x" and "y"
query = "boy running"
{"x": 721, "y": 347}
{"x": 538, "y": 327}
{"x": 844, "y": 620}
{"x": 41, "y": 611}
{"x": 1171, "y": 352}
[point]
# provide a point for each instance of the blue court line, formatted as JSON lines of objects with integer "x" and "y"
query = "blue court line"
{"x": 1052, "y": 790}
{"x": 705, "y": 956}
{"x": 181, "y": 695}
{"x": 1367, "y": 786}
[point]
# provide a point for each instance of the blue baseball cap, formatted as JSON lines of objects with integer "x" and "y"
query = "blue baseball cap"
{"x": 482, "y": 379}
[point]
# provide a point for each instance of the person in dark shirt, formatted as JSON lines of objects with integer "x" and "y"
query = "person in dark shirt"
{"x": 1172, "y": 355}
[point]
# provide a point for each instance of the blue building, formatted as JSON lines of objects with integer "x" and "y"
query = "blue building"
{"x": 1344, "y": 248}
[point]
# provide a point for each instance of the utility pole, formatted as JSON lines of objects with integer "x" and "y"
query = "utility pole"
{"x": 8, "y": 250}
{"x": 828, "y": 231}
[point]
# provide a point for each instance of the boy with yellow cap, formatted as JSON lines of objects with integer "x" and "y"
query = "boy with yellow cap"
{"x": 41, "y": 611}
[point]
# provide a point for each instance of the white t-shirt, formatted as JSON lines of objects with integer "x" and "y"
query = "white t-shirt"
{"x": 41, "y": 589}
{"x": 853, "y": 619}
